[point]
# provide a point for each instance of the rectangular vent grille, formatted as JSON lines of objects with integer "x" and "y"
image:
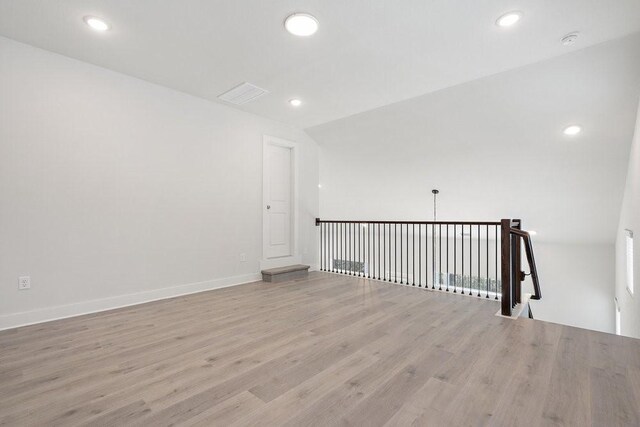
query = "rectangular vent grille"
{"x": 242, "y": 94}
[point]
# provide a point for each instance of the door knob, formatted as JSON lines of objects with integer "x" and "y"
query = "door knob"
{"x": 268, "y": 206}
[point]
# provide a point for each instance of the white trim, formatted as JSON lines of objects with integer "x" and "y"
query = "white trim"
{"x": 629, "y": 279}
{"x": 519, "y": 310}
{"x": 272, "y": 140}
{"x": 48, "y": 314}
{"x": 618, "y": 316}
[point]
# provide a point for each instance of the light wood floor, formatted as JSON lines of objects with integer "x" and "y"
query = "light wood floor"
{"x": 328, "y": 350}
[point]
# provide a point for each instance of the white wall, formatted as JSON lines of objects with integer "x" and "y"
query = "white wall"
{"x": 576, "y": 283}
{"x": 114, "y": 190}
{"x": 630, "y": 219}
{"x": 495, "y": 148}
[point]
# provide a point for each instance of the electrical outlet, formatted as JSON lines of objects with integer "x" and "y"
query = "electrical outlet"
{"x": 243, "y": 257}
{"x": 24, "y": 282}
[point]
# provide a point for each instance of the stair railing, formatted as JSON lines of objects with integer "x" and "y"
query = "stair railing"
{"x": 479, "y": 258}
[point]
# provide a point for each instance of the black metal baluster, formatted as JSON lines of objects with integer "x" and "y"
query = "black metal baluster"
{"x": 470, "y": 258}
{"x": 462, "y": 263}
{"x": 440, "y": 257}
{"x": 368, "y": 252}
{"x": 344, "y": 248}
{"x": 326, "y": 247}
{"x": 343, "y": 242}
{"x": 487, "y": 278}
{"x": 400, "y": 253}
{"x": 369, "y": 249}
{"x": 413, "y": 254}
{"x": 479, "y": 262}
{"x": 337, "y": 267}
{"x": 496, "y": 262}
{"x": 384, "y": 253}
{"x": 447, "y": 225}
{"x": 362, "y": 255}
{"x": 343, "y": 257}
{"x": 339, "y": 238}
{"x": 455, "y": 258}
{"x": 333, "y": 242}
{"x": 426, "y": 256}
{"x": 390, "y": 243}
{"x": 395, "y": 254}
{"x": 355, "y": 248}
{"x": 352, "y": 253}
{"x": 359, "y": 243}
{"x": 336, "y": 242}
{"x": 330, "y": 248}
{"x": 433, "y": 255}
{"x": 351, "y": 248}
{"x": 356, "y": 241}
{"x": 419, "y": 255}
{"x": 407, "y": 252}
{"x": 327, "y": 251}
{"x": 347, "y": 247}
{"x": 379, "y": 242}
{"x": 321, "y": 250}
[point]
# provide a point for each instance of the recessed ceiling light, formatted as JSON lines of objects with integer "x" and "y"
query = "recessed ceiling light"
{"x": 295, "y": 102}
{"x": 572, "y": 130}
{"x": 96, "y": 23}
{"x": 508, "y": 19}
{"x": 301, "y": 24}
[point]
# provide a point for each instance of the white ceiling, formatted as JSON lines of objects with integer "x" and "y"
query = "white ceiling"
{"x": 367, "y": 53}
{"x": 495, "y": 149}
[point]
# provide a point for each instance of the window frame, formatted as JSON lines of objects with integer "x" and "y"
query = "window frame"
{"x": 629, "y": 277}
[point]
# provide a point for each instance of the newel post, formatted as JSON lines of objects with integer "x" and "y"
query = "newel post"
{"x": 505, "y": 238}
{"x": 516, "y": 264}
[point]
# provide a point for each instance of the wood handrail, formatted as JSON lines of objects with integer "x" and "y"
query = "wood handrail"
{"x": 528, "y": 246}
{"x": 340, "y": 221}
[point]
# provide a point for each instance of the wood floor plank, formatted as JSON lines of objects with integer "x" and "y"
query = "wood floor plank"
{"x": 624, "y": 410}
{"x": 568, "y": 400}
{"x": 425, "y": 406}
{"x": 325, "y": 350}
{"x": 518, "y": 405}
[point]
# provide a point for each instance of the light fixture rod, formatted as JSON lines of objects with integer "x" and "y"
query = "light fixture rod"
{"x": 435, "y": 203}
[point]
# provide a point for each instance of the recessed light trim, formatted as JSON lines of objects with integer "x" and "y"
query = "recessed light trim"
{"x": 96, "y": 24}
{"x": 572, "y": 130}
{"x": 295, "y": 102}
{"x": 509, "y": 19}
{"x": 301, "y": 24}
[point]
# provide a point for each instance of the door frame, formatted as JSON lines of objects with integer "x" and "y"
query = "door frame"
{"x": 268, "y": 140}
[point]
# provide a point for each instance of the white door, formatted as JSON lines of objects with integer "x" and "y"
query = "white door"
{"x": 278, "y": 198}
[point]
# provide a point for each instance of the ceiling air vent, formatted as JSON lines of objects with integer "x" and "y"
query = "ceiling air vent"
{"x": 242, "y": 94}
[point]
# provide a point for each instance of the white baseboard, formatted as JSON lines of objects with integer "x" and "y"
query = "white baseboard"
{"x": 14, "y": 320}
